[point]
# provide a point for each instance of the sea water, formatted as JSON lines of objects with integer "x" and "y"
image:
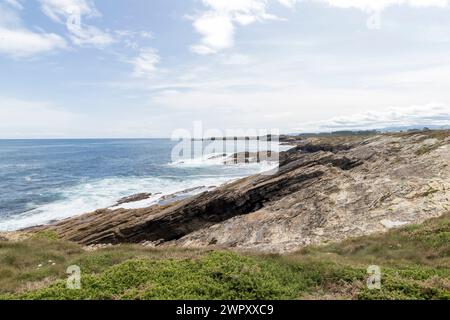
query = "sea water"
{"x": 42, "y": 181}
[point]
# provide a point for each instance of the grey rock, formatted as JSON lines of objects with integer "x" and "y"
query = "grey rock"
{"x": 326, "y": 189}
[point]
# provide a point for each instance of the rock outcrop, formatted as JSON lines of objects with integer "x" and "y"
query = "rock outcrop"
{"x": 133, "y": 198}
{"x": 326, "y": 189}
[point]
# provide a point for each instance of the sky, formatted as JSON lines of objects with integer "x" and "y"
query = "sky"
{"x": 145, "y": 68}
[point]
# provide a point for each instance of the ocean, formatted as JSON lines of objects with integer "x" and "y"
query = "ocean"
{"x": 42, "y": 181}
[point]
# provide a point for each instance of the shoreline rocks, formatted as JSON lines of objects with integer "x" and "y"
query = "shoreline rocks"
{"x": 326, "y": 189}
{"x": 133, "y": 198}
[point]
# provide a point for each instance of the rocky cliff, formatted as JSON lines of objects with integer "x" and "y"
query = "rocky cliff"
{"x": 326, "y": 189}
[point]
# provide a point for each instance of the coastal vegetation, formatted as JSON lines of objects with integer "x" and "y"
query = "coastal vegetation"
{"x": 414, "y": 262}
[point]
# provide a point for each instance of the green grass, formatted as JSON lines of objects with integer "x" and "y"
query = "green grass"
{"x": 425, "y": 149}
{"x": 433, "y": 134}
{"x": 415, "y": 264}
{"x": 439, "y": 135}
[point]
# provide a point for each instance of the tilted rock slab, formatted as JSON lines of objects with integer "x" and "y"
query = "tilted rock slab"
{"x": 323, "y": 191}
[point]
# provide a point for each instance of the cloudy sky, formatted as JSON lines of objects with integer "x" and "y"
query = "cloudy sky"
{"x": 143, "y": 68}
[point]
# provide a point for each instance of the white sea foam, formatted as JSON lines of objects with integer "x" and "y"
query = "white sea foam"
{"x": 219, "y": 154}
{"x": 214, "y": 159}
{"x": 104, "y": 193}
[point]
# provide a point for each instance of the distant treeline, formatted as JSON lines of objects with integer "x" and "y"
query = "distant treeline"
{"x": 339, "y": 133}
{"x": 317, "y": 134}
{"x": 268, "y": 137}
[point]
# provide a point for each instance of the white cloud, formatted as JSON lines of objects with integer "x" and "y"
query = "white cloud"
{"x": 433, "y": 114}
{"x": 90, "y": 36}
{"x": 71, "y": 13}
{"x": 288, "y": 3}
{"x": 22, "y": 43}
{"x": 217, "y": 31}
{"x": 379, "y": 5}
{"x": 130, "y": 38}
{"x": 18, "y": 42}
{"x": 217, "y": 24}
{"x": 375, "y": 7}
{"x": 144, "y": 65}
{"x": 60, "y": 10}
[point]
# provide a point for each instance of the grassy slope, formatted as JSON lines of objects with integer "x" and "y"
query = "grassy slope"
{"x": 415, "y": 263}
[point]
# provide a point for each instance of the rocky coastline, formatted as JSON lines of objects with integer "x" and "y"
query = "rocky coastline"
{"x": 326, "y": 189}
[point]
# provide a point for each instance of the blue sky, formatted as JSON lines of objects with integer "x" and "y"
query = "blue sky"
{"x": 143, "y": 68}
